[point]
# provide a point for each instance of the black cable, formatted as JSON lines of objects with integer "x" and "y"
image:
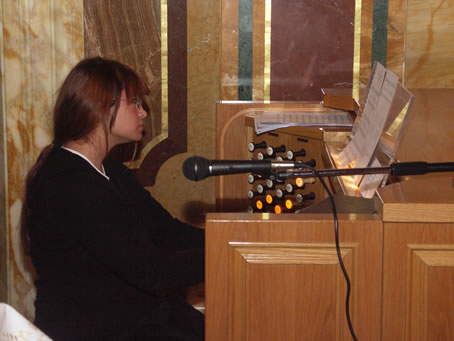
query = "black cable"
{"x": 339, "y": 256}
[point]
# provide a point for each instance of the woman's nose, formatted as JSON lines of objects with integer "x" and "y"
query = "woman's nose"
{"x": 142, "y": 113}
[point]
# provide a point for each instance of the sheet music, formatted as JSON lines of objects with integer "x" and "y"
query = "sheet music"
{"x": 273, "y": 120}
{"x": 376, "y": 124}
{"x": 371, "y": 182}
{"x": 352, "y": 151}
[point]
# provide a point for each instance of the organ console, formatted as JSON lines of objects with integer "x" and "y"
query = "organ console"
{"x": 269, "y": 199}
{"x": 280, "y": 193}
{"x": 301, "y": 181}
{"x": 251, "y": 194}
{"x": 259, "y": 205}
{"x": 261, "y": 156}
{"x": 292, "y": 155}
{"x": 261, "y": 189}
{"x": 311, "y": 163}
{"x": 270, "y": 184}
{"x": 273, "y": 151}
{"x": 277, "y": 209}
{"x": 251, "y": 178}
{"x": 291, "y": 146}
{"x": 277, "y": 276}
{"x": 301, "y": 198}
{"x": 290, "y": 188}
{"x": 253, "y": 146}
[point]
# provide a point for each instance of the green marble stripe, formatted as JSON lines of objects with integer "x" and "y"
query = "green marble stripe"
{"x": 245, "y": 20}
{"x": 380, "y": 31}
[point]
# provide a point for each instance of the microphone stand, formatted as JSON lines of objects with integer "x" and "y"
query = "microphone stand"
{"x": 395, "y": 169}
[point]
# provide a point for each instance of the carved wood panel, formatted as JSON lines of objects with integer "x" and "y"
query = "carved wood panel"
{"x": 418, "y": 281}
{"x": 430, "y": 289}
{"x": 268, "y": 287}
{"x": 277, "y": 277}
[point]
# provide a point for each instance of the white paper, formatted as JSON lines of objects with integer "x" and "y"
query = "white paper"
{"x": 352, "y": 151}
{"x": 376, "y": 124}
{"x": 274, "y": 120}
{"x": 371, "y": 182}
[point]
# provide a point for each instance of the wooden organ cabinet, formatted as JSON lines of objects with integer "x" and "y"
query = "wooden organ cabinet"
{"x": 277, "y": 277}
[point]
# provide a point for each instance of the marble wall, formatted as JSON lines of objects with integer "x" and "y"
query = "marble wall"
{"x": 429, "y": 47}
{"x": 193, "y": 53}
{"x": 276, "y": 50}
{"x": 288, "y": 50}
{"x": 174, "y": 46}
{"x": 41, "y": 40}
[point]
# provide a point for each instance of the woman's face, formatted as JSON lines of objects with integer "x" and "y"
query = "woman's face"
{"x": 128, "y": 126}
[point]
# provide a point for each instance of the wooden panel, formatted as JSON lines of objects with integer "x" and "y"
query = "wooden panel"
{"x": 421, "y": 199}
{"x": 417, "y": 281}
{"x": 429, "y": 135}
{"x": 260, "y": 270}
{"x": 276, "y": 277}
{"x": 431, "y": 292}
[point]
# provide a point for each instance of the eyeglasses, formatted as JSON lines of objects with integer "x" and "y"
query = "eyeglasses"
{"x": 136, "y": 101}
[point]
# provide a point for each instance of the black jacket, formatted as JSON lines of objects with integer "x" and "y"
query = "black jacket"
{"x": 104, "y": 251}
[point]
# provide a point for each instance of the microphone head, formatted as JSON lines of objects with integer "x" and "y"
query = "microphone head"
{"x": 196, "y": 168}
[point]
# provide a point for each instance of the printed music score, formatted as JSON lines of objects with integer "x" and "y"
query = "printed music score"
{"x": 364, "y": 142}
{"x": 386, "y": 103}
{"x": 268, "y": 120}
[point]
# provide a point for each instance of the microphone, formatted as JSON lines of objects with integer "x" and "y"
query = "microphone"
{"x": 198, "y": 168}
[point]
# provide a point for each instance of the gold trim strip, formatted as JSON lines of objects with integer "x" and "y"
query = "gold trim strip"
{"x": 147, "y": 148}
{"x": 164, "y": 70}
{"x": 267, "y": 69}
{"x": 164, "y": 90}
{"x": 357, "y": 50}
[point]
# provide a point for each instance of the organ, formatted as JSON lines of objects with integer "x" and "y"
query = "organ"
{"x": 276, "y": 276}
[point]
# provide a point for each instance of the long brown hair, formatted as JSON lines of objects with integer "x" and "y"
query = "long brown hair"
{"x": 88, "y": 97}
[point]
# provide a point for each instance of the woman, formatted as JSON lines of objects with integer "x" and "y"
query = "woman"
{"x": 104, "y": 250}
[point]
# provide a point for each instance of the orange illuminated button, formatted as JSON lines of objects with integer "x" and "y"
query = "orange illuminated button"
{"x": 259, "y": 204}
{"x": 269, "y": 199}
{"x": 299, "y": 182}
{"x": 288, "y": 204}
{"x": 277, "y": 209}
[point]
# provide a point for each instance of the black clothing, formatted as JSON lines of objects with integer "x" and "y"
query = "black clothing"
{"x": 104, "y": 251}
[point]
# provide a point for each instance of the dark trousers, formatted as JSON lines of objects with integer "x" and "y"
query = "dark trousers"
{"x": 183, "y": 323}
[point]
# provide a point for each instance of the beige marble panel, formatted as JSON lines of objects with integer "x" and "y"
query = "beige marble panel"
{"x": 3, "y": 182}
{"x": 204, "y": 37}
{"x": 258, "y": 50}
{"x": 229, "y": 47}
{"x": 130, "y": 32}
{"x": 367, "y": 13}
{"x": 397, "y": 26}
{"x": 429, "y": 44}
{"x": 185, "y": 199}
{"x": 41, "y": 42}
